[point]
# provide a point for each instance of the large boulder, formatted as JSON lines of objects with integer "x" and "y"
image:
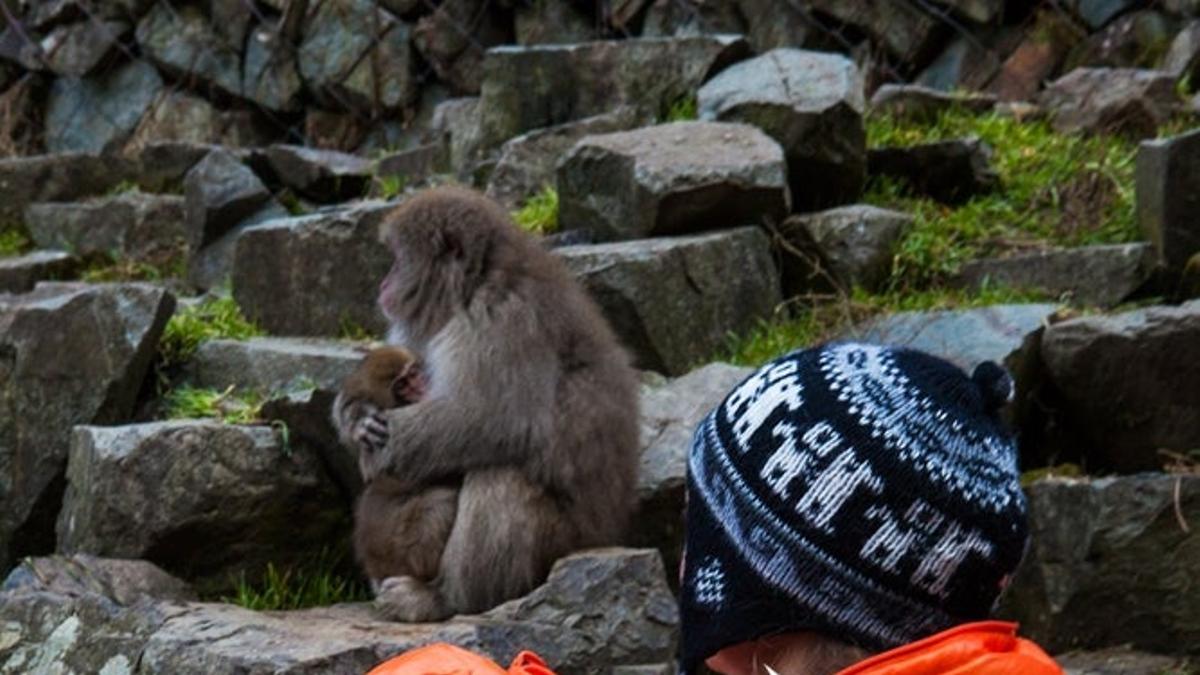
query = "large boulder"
{"x": 671, "y": 179}
{"x": 183, "y": 41}
{"x": 531, "y": 87}
{"x": 72, "y": 354}
{"x": 1111, "y": 100}
{"x": 355, "y": 55}
{"x": 313, "y": 275}
{"x": 20, "y": 273}
{"x": 129, "y": 225}
{"x": 220, "y": 192}
{"x": 125, "y": 582}
{"x": 1044, "y": 45}
{"x": 673, "y": 301}
{"x": 54, "y": 178}
{"x": 1112, "y": 562}
{"x": 525, "y": 164}
{"x": 77, "y": 49}
{"x": 321, "y": 175}
{"x": 1167, "y": 168}
{"x": 97, "y": 114}
{"x": 1103, "y": 275}
{"x": 812, "y": 104}
{"x": 670, "y": 414}
{"x": 1128, "y": 382}
{"x": 269, "y": 364}
{"x": 950, "y": 171}
{"x": 838, "y": 249}
{"x": 454, "y": 37}
{"x": 908, "y": 32}
{"x": 269, "y": 74}
{"x": 204, "y": 500}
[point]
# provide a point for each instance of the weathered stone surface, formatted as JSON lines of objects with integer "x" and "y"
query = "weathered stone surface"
{"x": 964, "y": 337}
{"x": 839, "y": 249}
{"x": 913, "y": 101}
{"x": 132, "y": 224}
{"x": 1112, "y": 562}
{"x": 1091, "y": 275}
{"x": 160, "y": 166}
{"x": 454, "y": 37}
{"x": 125, "y": 582}
{"x": 640, "y": 616}
{"x": 204, "y": 500}
{"x": 322, "y": 175}
{"x": 671, "y": 179}
{"x": 1122, "y": 661}
{"x": 220, "y": 192}
{"x": 812, "y": 104}
{"x": 608, "y": 608}
{"x": 969, "y": 61}
{"x": 1166, "y": 170}
{"x": 903, "y": 29}
{"x": 1183, "y": 57}
{"x": 670, "y": 414}
{"x": 526, "y": 163}
{"x": 355, "y": 56}
{"x": 981, "y": 11}
{"x": 1128, "y": 382}
{"x": 212, "y": 265}
{"x": 99, "y": 113}
{"x": 53, "y": 178}
{"x": 688, "y": 18}
{"x": 949, "y": 171}
{"x": 273, "y": 364}
{"x": 19, "y": 273}
{"x": 1115, "y": 100}
{"x": 72, "y": 354}
{"x": 531, "y": 87}
{"x": 673, "y": 301}
{"x": 179, "y": 117}
{"x": 269, "y": 74}
{"x": 543, "y": 23}
{"x": 1096, "y": 13}
{"x": 1036, "y": 58}
{"x": 456, "y": 121}
{"x": 306, "y": 412}
{"x": 1135, "y": 40}
{"x": 314, "y": 274}
{"x": 75, "y": 50}
{"x": 182, "y": 40}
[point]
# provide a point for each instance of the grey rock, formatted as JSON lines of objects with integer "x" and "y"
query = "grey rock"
{"x": 314, "y": 274}
{"x": 950, "y": 171}
{"x": 273, "y": 364}
{"x": 98, "y": 114}
{"x": 670, "y": 414}
{"x": 1111, "y": 563}
{"x": 671, "y": 179}
{"x": 179, "y": 117}
{"x": 689, "y": 18}
{"x": 182, "y": 40}
{"x": 1096, "y": 13}
{"x": 1145, "y": 363}
{"x": 839, "y": 249}
{"x": 640, "y": 617}
{"x": 220, "y": 192}
{"x": 1183, "y": 57}
{"x": 306, "y": 413}
{"x": 1037, "y": 57}
{"x": 812, "y": 104}
{"x": 1166, "y": 203}
{"x": 322, "y": 175}
{"x": 526, "y": 163}
{"x": 125, "y": 582}
{"x": 1122, "y": 661}
{"x": 161, "y": 166}
{"x": 212, "y": 265}
{"x": 541, "y": 23}
{"x": 965, "y": 63}
{"x": 672, "y": 301}
{"x": 916, "y": 102}
{"x": 54, "y": 178}
{"x": 19, "y": 273}
{"x": 132, "y": 225}
{"x": 204, "y": 500}
{"x": 1135, "y": 40}
{"x": 456, "y": 121}
{"x": 74, "y": 354}
{"x": 979, "y": 11}
{"x": 75, "y": 50}
{"x": 355, "y": 56}
{"x": 903, "y": 29}
{"x": 415, "y": 164}
{"x": 1102, "y": 275}
{"x": 965, "y": 337}
{"x": 454, "y": 37}
{"x": 527, "y": 88}
{"x": 1113, "y": 100}
{"x": 269, "y": 74}
{"x": 384, "y": 80}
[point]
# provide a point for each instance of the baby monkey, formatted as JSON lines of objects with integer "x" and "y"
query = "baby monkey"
{"x": 399, "y": 529}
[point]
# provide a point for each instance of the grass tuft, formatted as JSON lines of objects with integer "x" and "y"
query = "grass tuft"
{"x": 321, "y": 582}
{"x": 390, "y": 186}
{"x": 217, "y": 317}
{"x": 682, "y": 109}
{"x": 227, "y": 406}
{"x": 13, "y": 241}
{"x": 539, "y": 215}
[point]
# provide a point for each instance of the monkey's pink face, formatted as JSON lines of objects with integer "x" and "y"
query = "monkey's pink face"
{"x": 392, "y": 287}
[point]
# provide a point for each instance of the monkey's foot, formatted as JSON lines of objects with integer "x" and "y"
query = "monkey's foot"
{"x": 409, "y": 600}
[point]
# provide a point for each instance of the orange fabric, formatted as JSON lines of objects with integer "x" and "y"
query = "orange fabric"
{"x": 446, "y": 659}
{"x": 982, "y": 648}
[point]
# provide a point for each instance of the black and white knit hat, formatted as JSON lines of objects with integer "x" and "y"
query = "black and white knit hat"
{"x": 865, "y": 492}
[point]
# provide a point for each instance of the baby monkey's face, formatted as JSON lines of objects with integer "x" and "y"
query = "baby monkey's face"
{"x": 392, "y": 376}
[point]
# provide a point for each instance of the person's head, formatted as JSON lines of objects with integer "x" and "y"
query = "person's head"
{"x": 844, "y": 500}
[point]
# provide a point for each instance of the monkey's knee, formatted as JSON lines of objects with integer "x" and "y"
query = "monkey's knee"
{"x": 409, "y": 600}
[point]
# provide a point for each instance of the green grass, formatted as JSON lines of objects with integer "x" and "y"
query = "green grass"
{"x": 1055, "y": 190}
{"x": 539, "y": 214}
{"x": 13, "y": 241}
{"x": 681, "y": 110}
{"x": 107, "y": 269}
{"x": 390, "y": 186}
{"x": 349, "y": 329}
{"x": 124, "y": 187}
{"x": 217, "y": 317}
{"x": 323, "y": 581}
{"x": 229, "y": 406}
{"x": 815, "y": 320}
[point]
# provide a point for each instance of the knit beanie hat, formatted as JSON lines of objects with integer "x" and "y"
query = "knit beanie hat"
{"x": 867, "y": 493}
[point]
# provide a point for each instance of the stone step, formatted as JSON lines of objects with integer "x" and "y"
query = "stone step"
{"x": 20, "y": 273}
{"x": 1102, "y": 275}
{"x": 130, "y": 225}
{"x": 273, "y": 364}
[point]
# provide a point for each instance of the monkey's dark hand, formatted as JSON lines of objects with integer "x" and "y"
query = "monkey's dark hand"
{"x": 371, "y": 432}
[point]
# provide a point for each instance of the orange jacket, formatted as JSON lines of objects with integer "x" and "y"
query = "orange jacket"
{"x": 982, "y": 648}
{"x": 444, "y": 659}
